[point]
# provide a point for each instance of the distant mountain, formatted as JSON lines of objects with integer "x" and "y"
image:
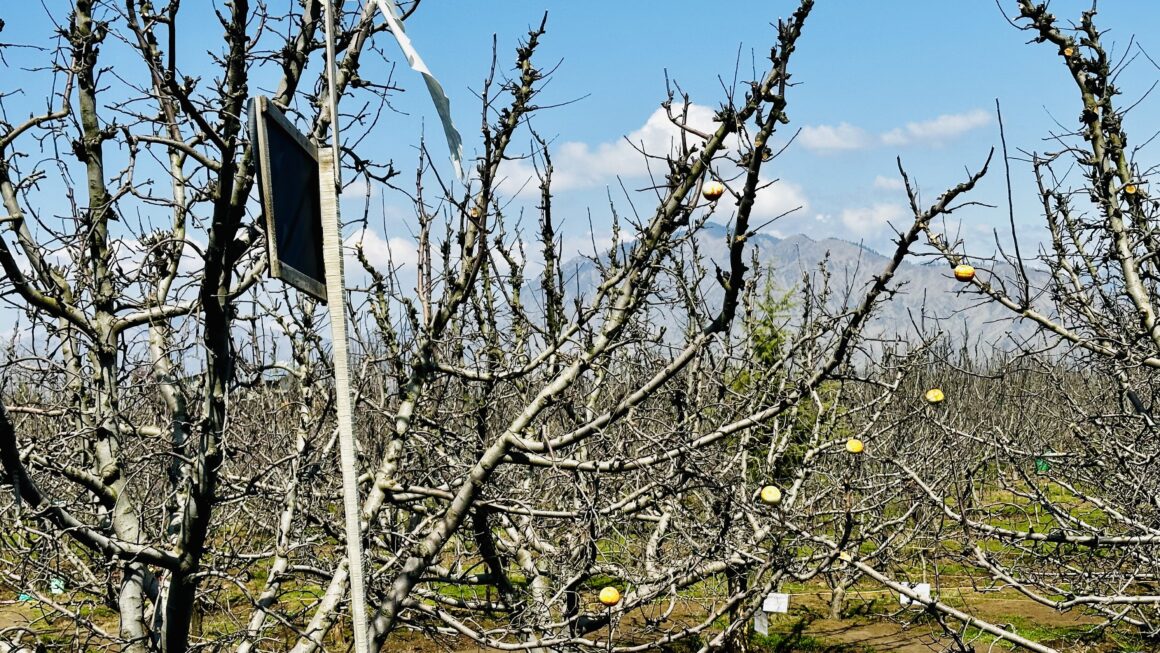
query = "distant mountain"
{"x": 928, "y": 297}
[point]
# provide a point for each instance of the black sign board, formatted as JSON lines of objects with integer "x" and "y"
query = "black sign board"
{"x": 287, "y": 165}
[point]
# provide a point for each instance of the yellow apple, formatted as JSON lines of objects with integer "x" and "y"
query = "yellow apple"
{"x": 854, "y": 445}
{"x": 609, "y": 596}
{"x": 964, "y": 272}
{"x": 771, "y": 495}
{"x": 1130, "y": 189}
{"x": 713, "y": 190}
{"x": 934, "y": 396}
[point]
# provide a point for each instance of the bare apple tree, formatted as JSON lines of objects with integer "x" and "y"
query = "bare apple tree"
{"x": 130, "y": 245}
{"x": 538, "y": 442}
{"x": 1055, "y": 490}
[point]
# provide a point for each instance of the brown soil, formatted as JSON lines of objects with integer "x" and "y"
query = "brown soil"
{"x": 878, "y": 636}
{"x": 10, "y": 616}
{"x": 884, "y": 627}
{"x": 922, "y": 635}
{"x": 877, "y": 625}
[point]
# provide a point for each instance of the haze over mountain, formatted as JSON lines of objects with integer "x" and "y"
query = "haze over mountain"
{"x": 929, "y": 298}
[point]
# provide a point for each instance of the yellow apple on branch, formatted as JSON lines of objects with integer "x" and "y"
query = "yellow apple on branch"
{"x": 610, "y": 596}
{"x": 713, "y": 190}
{"x": 771, "y": 495}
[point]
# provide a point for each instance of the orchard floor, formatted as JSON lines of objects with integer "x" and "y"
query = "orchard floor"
{"x": 877, "y": 625}
{"x": 8, "y": 618}
{"x": 874, "y": 624}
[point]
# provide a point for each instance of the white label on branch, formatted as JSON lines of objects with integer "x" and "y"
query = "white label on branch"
{"x": 776, "y": 602}
{"x": 761, "y": 623}
{"x": 921, "y": 589}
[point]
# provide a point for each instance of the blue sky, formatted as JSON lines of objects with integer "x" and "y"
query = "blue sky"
{"x": 909, "y": 78}
{"x": 876, "y": 80}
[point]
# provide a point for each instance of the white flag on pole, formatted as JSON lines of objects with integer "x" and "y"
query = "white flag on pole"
{"x": 442, "y": 104}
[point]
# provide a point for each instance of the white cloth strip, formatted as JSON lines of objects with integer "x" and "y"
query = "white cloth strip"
{"x": 442, "y": 104}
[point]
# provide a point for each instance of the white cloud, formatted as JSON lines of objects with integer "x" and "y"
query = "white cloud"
{"x": 589, "y": 244}
{"x": 778, "y": 199}
{"x": 359, "y": 189}
{"x": 129, "y": 254}
{"x": 517, "y": 178}
{"x": 868, "y": 220}
{"x": 191, "y": 257}
{"x": 844, "y": 136}
{"x": 938, "y": 130}
{"x": 827, "y": 138}
{"x": 580, "y": 165}
{"x": 383, "y": 253}
{"x": 62, "y": 256}
{"x": 888, "y": 183}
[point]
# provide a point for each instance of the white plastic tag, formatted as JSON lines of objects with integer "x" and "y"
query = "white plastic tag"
{"x": 921, "y": 589}
{"x": 761, "y": 623}
{"x": 776, "y": 602}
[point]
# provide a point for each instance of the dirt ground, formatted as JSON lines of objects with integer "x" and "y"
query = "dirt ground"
{"x": 881, "y": 635}
{"x": 884, "y": 628}
{"x": 9, "y": 616}
{"x": 877, "y": 626}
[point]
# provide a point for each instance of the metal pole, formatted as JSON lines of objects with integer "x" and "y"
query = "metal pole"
{"x": 332, "y": 258}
